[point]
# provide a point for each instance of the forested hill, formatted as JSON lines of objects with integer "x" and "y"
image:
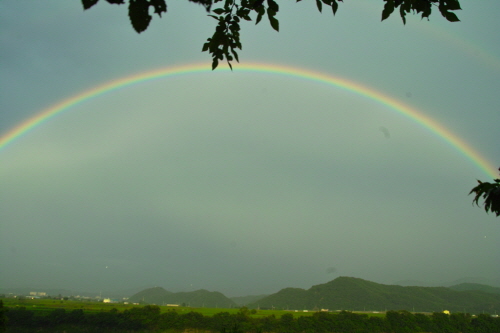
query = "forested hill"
{"x": 198, "y": 298}
{"x": 354, "y": 294}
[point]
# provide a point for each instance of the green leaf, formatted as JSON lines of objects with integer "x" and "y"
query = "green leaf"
{"x": 88, "y": 3}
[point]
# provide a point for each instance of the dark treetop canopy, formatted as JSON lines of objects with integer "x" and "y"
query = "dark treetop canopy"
{"x": 228, "y": 14}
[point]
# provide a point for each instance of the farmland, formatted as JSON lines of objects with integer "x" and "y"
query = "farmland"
{"x": 55, "y": 315}
{"x": 47, "y": 305}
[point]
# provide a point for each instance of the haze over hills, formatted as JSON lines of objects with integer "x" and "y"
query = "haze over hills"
{"x": 244, "y": 300}
{"x": 347, "y": 293}
{"x": 55, "y": 292}
{"x": 477, "y": 287}
{"x": 475, "y": 280}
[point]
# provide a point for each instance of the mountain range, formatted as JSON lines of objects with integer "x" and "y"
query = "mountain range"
{"x": 344, "y": 293}
{"x": 198, "y": 298}
{"x": 348, "y": 293}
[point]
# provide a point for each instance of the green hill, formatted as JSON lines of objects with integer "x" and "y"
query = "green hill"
{"x": 347, "y": 293}
{"x": 149, "y": 295}
{"x": 477, "y": 287}
{"x": 198, "y": 298}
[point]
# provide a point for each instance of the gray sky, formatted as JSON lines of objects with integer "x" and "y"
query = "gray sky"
{"x": 240, "y": 182}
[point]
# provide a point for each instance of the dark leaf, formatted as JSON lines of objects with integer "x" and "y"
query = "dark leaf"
{"x": 274, "y": 22}
{"x": 218, "y": 11}
{"x": 451, "y": 17}
{"x": 335, "y": 6}
{"x": 403, "y": 14}
{"x": 490, "y": 193}
{"x": 205, "y": 3}
{"x": 160, "y": 6}
{"x": 88, "y": 3}
{"x": 138, "y": 13}
{"x": 388, "y": 9}
{"x": 258, "y": 3}
{"x": 116, "y": 2}
{"x": 453, "y": 5}
{"x": 261, "y": 12}
{"x": 319, "y": 4}
{"x": 273, "y": 6}
{"x": 215, "y": 63}
{"x": 228, "y": 4}
{"x": 235, "y": 55}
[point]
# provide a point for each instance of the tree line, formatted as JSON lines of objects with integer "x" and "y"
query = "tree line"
{"x": 150, "y": 319}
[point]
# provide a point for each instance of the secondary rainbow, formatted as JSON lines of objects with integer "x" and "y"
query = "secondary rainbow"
{"x": 298, "y": 73}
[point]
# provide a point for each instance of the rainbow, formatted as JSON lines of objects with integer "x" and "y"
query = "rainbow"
{"x": 427, "y": 122}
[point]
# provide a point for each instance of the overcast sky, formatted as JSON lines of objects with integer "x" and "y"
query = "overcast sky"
{"x": 241, "y": 182}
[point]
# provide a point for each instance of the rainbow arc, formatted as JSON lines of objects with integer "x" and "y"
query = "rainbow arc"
{"x": 272, "y": 69}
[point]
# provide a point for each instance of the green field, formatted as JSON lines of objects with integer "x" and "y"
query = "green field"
{"x": 44, "y": 305}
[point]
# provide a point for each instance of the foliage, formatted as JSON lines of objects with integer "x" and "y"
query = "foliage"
{"x": 225, "y": 41}
{"x": 490, "y": 192}
{"x": 149, "y": 319}
{"x": 3, "y": 317}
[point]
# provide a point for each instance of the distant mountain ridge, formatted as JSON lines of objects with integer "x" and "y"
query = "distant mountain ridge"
{"x": 198, "y": 298}
{"x": 476, "y": 287}
{"x": 475, "y": 280}
{"x": 348, "y": 293}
